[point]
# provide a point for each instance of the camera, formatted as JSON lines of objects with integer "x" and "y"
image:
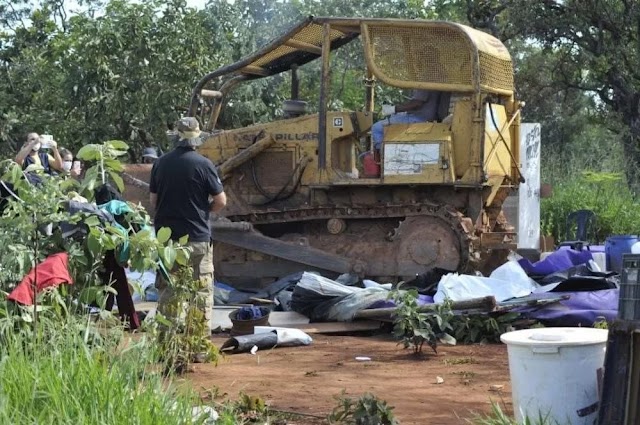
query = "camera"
{"x": 45, "y": 141}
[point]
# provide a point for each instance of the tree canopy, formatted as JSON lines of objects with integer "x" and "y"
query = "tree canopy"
{"x": 117, "y": 69}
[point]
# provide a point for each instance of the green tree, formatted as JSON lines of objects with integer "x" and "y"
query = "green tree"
{"x": 593, "y": 46}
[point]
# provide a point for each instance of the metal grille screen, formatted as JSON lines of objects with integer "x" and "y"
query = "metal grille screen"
{"x": 495, "y": 72}
{"x": 435, "y": 55}
{"x": 410, "y": 54}
{"x": 311, "y": 34}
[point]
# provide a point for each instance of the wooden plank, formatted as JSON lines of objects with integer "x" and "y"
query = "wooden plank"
{"x": 339, "y": 327}
{"x": 255, "y": 70}
{"x": 633, "y": 410}
{"x": 301, "y": 45}
{"x": 288, "y": 250}
{"x": 485, "y": 303}
{"x": 145, "y": 306}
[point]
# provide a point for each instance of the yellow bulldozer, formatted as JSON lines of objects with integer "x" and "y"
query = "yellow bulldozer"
{"x": 299, "y": 196}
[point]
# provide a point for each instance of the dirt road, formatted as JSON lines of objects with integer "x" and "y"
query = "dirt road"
{"x": 306, "y": 379}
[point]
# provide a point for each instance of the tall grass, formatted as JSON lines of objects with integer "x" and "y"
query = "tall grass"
{"x": 71, "y": 379}
{"x": 606, "y": 194}
{"x": 588, "y": 171}
{"x": 498, "y": 417}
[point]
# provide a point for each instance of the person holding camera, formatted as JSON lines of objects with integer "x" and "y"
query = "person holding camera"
{"x": 71, "y": 167}
{"x": 32, "y": 153}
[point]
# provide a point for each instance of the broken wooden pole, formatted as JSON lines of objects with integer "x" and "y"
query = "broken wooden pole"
{"x": 245, "y": 155}
{"x": 483, "y": 304}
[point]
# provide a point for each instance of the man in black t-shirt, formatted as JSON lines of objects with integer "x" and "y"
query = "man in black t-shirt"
{"x": 184, "y": 189}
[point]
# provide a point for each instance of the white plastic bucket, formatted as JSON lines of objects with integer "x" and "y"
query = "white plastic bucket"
{"x": 554, "y": 373}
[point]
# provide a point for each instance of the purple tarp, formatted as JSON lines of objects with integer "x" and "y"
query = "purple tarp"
{"x": 422, "y": 300}
{"x": 555, "y": 262}
{"x": 581, "y": 309}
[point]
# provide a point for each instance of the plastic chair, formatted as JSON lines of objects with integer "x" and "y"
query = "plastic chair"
{"x": 584, "y": 222}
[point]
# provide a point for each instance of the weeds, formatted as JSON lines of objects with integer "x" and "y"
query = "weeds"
{"x": 183, "y": 336}
{"x": 498, "y": 417}
{"x": 367, "y": 410}
{"x": 459, "y": 360}
{"x": 471, "y": 329}
{"x": 414, "y": 327}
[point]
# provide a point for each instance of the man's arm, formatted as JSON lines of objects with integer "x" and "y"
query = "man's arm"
{"x": 218, "y": 202}
{"x": 57, "y": 159}
{"x": 153, "y": 200}
{"x": 25, "y": 151}
{"x": 410, "y": 105}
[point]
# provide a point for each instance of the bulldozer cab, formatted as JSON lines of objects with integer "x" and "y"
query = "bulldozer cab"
{"x": 473, "y": 139}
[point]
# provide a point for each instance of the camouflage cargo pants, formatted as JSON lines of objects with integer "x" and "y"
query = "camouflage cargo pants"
{"x": 201, "y": 260}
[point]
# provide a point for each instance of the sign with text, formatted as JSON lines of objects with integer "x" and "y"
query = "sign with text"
{"x": 529, "y": 191}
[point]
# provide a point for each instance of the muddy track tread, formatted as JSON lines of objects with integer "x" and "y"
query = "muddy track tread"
{"x": 449, "y": 215}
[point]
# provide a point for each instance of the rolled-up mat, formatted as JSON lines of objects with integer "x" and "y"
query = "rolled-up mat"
{"x": 244, "y": 343}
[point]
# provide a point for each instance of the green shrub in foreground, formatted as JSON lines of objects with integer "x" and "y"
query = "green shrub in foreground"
{"x": 64, "y": 380}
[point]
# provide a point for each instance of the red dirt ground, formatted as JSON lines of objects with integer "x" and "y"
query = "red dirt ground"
{"x": 306, "y": 379}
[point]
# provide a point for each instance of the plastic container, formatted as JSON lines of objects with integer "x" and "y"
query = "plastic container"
{"x": 370, "y": 166}
{"x": 554, "y": 372}
{"x": 246, "y": 327}
{"x": 614, "y": 247}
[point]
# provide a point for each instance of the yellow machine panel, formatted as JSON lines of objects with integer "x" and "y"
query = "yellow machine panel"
{"x": 417, "y": 154}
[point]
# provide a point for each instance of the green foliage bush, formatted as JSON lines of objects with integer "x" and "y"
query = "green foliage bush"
{"x": 606, "y": 194}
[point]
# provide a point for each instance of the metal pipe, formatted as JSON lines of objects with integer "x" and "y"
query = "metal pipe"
{"x": 217, "y": 104}
{"x": 324, "y": 96}
{"x": 195, "y": 94}
{"x": 295, "y": 83}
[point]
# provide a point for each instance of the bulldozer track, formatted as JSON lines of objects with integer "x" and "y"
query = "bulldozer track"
{"x": 451, "y": 217}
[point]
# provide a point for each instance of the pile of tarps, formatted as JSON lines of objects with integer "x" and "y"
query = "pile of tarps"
{"x": 279, "y": 292}
{"x": 591, "y": 293}
{"x": 582, "y": 292}
{"x": 326, "y": 300}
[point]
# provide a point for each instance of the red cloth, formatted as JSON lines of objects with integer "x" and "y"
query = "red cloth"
{"x": 52, "y": 271}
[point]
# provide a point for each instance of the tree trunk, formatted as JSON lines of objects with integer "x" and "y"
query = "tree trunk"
{"x": 631, "y": 147}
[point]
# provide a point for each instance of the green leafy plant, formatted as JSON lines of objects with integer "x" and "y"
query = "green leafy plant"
{"x": 183, "y": 334}
{"x": 414, "y": 327}
{"x": 367, "y": 410}
{"x": 106, "y": 166}
{"x": 32, "y": 231}
{"x": 476, "y": 328}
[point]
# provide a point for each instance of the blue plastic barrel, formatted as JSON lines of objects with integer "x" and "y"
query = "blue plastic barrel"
{"x": 614, "y": 247}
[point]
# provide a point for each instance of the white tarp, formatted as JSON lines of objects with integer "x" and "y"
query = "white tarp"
{"x": 507, "y": 281}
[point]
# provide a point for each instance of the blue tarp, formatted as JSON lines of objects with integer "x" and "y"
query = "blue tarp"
{"x": 581, "y": 309}
{"x": 562, "y": 259}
